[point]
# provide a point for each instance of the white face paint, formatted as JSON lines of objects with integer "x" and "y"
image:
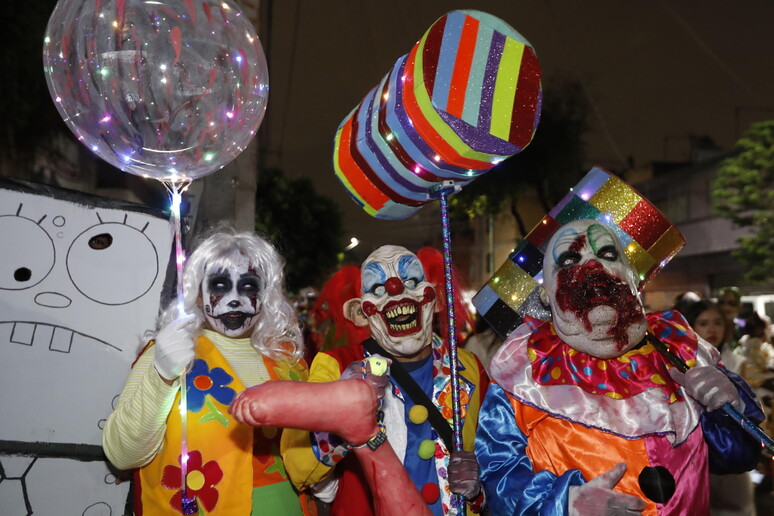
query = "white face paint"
{"x": 592, "y": 290}
{"x": 398, "y": 301}
{"x": 231, "y": 299}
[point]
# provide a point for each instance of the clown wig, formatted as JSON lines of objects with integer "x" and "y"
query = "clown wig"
{"x": 276, "y": 333}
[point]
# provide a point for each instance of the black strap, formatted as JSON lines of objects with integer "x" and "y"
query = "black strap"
{"x": 415, "y": 392}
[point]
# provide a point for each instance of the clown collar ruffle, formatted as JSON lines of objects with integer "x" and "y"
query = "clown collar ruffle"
{"x": 554, "y": 362}
{"x": 644, "y": 410}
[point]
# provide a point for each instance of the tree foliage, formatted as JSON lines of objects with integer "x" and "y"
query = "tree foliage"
{"x": 548, "y": 166}
{"x": 306, "y": 227}
{"x": 743, "y": 191}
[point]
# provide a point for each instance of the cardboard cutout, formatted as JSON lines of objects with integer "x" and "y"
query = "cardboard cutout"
{"x": 80, "y": 281}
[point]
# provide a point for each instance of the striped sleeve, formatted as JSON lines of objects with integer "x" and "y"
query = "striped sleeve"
{"x": 134, "y": 432}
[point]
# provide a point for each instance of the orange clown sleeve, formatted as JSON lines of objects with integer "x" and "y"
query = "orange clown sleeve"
{"x": 350, "y": 412}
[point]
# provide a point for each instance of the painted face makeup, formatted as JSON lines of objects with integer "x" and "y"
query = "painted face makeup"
{"x": 397, "y": 300}
{"x": 592, "y": 290}
{"x": 231, "y": 299}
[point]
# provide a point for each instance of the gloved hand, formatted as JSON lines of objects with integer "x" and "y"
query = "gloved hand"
{"x": 597, "y": 498}
{"x": 377, "y": 381}
{"x": 464, "y": 475}
{"x": 707, "y": 385}
{"x": 174, "y": 348}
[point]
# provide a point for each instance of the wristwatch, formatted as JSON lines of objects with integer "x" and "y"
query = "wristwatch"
{"x": 375, "y": 441}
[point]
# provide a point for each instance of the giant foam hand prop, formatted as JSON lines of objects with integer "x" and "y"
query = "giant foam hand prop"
{"x": 348, "y": 410}
{"x": 597, "y": 498}
{"x": 464, "y": 474}
{"x": 709, "y": 386}
{"x": 174, "y": 348}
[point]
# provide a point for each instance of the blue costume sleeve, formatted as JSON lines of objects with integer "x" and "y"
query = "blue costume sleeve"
{"x": 731, "y": 449}
{"x": 510, "y": 484}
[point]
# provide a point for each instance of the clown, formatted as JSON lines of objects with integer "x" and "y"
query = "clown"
{"x": 587, "y": 417}
{"x": 240, "y": 331}
{"x": 397, "y": 303}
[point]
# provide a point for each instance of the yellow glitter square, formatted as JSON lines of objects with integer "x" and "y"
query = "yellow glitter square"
{"x": 512, "y": 284}
{"x": 667, "y": 245}
{"x": 640, "y": 259}
{"x": 616, "y": 198}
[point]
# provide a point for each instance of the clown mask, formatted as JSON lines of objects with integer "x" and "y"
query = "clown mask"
{"x": 398, "y": 301}
{"x": 592, "y": 290}
{"x": 230, "y": 299}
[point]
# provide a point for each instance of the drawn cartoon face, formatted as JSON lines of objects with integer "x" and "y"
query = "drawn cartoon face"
{"x": 398, "y": 301}
{"x": 231, "y": 299}
{"x": 79, "y": 286}
{"x": 592, "y": 290}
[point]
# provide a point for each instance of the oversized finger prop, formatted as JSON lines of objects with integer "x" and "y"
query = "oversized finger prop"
{"x": 349, "y": 413}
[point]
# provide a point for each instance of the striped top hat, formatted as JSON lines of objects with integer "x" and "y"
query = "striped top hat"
{"x": 648, "y": 238}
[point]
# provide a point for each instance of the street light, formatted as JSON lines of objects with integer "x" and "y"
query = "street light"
{"x": 352, "y": 244}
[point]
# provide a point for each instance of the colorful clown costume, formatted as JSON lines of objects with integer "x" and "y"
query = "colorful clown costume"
{"x": 233, "y": 469}
{"x": 310, "y": 458}
{"x": 558, "y": 417}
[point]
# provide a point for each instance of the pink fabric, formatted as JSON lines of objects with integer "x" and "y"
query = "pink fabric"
{"x": 688, "y": 464}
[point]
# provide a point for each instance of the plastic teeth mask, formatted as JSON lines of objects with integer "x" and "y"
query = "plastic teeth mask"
{"x": 397, "y": 300}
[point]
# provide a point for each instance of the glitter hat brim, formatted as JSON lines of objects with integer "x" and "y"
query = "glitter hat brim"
{"x": 648, "y": 237}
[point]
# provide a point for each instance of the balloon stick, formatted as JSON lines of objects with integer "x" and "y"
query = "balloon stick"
{"x": 176, "y": 190}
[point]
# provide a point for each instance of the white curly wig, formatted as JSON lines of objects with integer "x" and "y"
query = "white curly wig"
{"x": 276, "y": 333}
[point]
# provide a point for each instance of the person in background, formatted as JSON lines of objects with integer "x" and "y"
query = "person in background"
{"x": 730, "y": 302}
{"x": 238, "y": 330}
{"x": 730, "y": 494}
{"x": 685, "y": 300}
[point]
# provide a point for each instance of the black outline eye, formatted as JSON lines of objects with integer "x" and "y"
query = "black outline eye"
{"x": 248, "y": 285}
{"x": 568, "y": 259}
{"x": 219, "y": 284}
{"x": 379, "y": 290}
{"x": 411, "y": 283}
{"x": 609, "y": 253}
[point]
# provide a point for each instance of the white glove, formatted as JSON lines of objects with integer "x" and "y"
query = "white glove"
{"x": 174, "y": 348}
{"x": 707, "y": 385}
{"x": 597, "y": 498}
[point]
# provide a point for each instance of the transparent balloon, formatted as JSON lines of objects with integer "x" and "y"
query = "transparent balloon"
{"x": 168, "y": 89}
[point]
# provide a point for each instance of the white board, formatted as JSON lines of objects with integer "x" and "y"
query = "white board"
{"x": 80, "y": 282}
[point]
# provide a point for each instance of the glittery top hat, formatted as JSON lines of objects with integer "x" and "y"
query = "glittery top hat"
{"x": 649, "y": 240}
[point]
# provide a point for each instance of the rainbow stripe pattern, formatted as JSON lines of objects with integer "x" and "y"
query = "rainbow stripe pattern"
{"x": 466, "y": 97}
{"x": 649, "y": 240}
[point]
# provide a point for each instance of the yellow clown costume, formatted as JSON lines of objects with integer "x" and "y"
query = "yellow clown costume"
{"x": 232, "y": 469}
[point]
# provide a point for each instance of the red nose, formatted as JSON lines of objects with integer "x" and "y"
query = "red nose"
{"x": 394, "y": 286}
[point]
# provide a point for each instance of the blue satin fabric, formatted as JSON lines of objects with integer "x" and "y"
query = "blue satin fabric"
{"x": 731, "y": 449}
{"x": 511, "y": 487}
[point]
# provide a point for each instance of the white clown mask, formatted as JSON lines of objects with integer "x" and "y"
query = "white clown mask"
{"x": 398, "y": 301}
{"x": 592, "y": 290}
{"x": 231, "y": 298}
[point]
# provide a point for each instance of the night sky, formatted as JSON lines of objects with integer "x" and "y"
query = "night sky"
{"x": 654, "y": 73}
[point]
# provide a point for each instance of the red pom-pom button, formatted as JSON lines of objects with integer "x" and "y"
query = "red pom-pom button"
{"x": 430, "y": 493}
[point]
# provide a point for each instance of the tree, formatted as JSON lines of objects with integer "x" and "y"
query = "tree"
{"x": 306, "y": 227}
{"x": 548, "y": 166}
{"x": 743, "y": 192}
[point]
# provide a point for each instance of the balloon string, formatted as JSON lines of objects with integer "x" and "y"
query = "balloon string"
{"x": 176, "y": 190}
{"x": 443, "y": 192}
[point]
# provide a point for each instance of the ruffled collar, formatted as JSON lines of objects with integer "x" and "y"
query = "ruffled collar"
{"x": 646, "y": 410}
{"x": 554, "y": 362}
